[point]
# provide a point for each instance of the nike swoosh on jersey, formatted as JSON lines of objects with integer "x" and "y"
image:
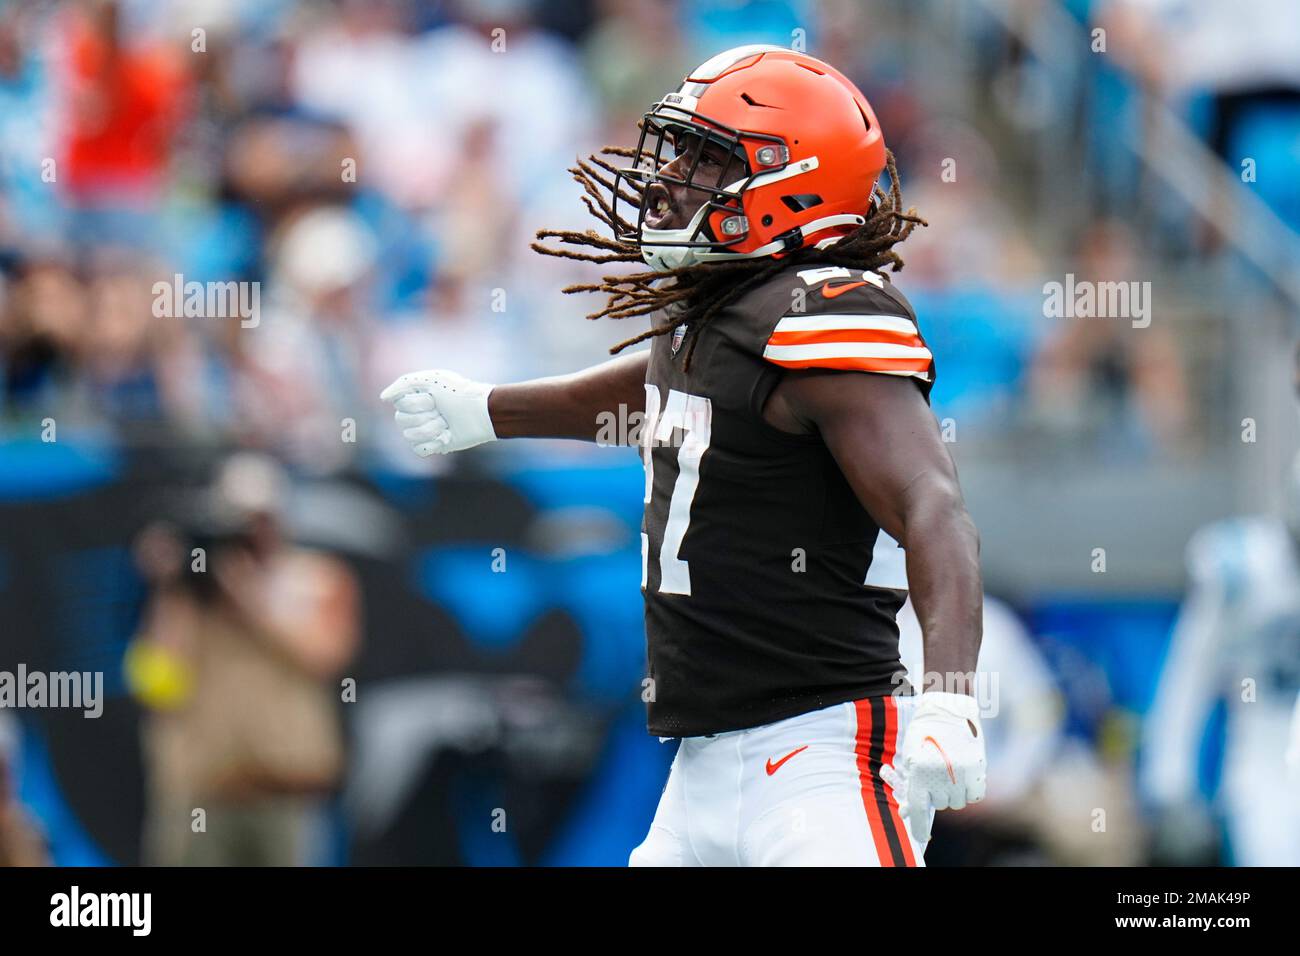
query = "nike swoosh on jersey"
{"x": 831, "y": 291}
{"x": 774, "y": 767}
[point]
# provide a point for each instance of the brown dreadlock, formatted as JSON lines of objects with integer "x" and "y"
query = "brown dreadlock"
{"x": 699, "y": 292}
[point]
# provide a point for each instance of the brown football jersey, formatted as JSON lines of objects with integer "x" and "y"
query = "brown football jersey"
{"x": 758, "y": 558}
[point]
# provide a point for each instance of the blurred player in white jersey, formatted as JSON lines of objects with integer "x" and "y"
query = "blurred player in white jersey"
{"x": 1238, "y": 640}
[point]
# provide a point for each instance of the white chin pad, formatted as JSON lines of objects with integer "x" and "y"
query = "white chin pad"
{"x": 665, "y": 258}
{"x": 668, "y": 258}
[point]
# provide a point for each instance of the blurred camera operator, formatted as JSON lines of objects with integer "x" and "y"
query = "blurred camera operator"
{"x": 242, "y": 639}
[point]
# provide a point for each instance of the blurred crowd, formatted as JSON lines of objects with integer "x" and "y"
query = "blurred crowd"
{"x": 375, "y": 171}
{"x": 378, "y": 168}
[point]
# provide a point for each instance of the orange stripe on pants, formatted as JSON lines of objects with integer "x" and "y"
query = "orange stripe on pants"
{"x": 875, "y": 745}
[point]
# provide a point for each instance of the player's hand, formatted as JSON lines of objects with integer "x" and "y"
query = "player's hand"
{"x": 941, "y": 763}
{"x": 440, "y": 411}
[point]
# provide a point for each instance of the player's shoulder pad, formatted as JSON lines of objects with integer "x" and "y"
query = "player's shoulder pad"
{"x": 834, "y": 317}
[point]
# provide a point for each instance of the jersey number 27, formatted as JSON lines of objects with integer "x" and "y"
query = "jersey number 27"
{"x": 692, "y": 415}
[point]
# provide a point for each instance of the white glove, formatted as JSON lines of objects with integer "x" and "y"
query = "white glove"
{"x": 941, "y": 763}
{"x": 440, "y": 411}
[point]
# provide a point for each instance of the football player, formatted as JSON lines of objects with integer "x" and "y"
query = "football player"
{"x": 787, "y": 438}
{"x": 1237, "y": 640}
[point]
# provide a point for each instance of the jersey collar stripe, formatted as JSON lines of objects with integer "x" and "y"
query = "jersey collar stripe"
{"x": 822, "y": 323}
{"x": 778, "y": 353}
{"x": 846, "y": 335}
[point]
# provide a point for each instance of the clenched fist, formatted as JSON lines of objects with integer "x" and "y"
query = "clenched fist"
{"x": 941, "y": 763}
{"x": 440, "y": 411}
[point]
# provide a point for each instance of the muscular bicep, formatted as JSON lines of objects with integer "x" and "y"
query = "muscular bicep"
{"x": 883, "y": 436}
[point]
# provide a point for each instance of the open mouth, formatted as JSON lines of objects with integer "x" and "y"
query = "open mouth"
{"x": 660, "y": 211}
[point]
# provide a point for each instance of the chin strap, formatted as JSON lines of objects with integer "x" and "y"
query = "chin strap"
{"x": 667, "y": 258}
{"x": 788, "y": 241}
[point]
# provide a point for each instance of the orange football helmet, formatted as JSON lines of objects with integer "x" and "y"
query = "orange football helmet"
{"x": 808, "y": 137}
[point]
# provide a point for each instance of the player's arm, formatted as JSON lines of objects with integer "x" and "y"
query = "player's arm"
{"x": 886, "y": 442}
{"x": 1185, "y": 696}
{"x": 570, "y": 406}
{"x": 440, "y": 411}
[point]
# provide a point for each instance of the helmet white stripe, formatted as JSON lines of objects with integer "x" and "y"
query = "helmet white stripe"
{"x": 716, "y": 65}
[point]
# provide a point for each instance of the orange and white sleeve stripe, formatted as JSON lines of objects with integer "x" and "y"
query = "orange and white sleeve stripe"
{"x": 889, "y": 344}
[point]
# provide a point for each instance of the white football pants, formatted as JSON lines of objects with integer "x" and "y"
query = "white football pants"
{"x": 805, "y": 791}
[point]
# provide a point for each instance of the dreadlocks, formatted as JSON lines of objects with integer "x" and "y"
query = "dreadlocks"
{"x": 696, "y": 293}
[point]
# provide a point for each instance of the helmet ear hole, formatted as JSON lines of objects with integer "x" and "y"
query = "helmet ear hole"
{"x": 802, "y": 201}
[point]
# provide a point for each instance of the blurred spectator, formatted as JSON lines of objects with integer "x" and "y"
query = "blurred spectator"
{"x": 1125, "y": 385}
{"x": 43, "y": 318}
{"x": 28, "y": 207}
{"x": 957, "y": 182}
{"x": 413, "y": 100}
{"x": 136, "y": 368}
{"x": 237, "y": 664}
{"x": 87, "y": 350}
{"x": 298, "y": 371}
{"x": 1243, "y": 55}
{"x": 635, "y": 54}
{"x": 122, "y": 102}
{"x": 1235, "y": 70}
